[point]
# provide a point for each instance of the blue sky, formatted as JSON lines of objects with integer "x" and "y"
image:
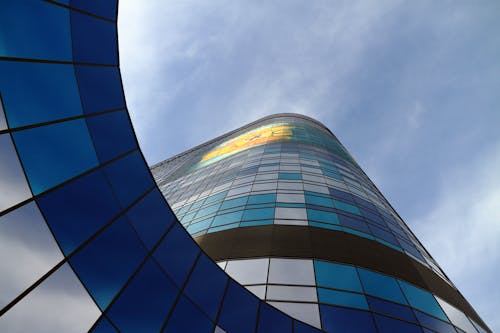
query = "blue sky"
{"x": 412, "y": 89}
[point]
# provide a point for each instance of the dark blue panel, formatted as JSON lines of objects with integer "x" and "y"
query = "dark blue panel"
{"x": 94, "y": 40}
{"x": 177, "y": 253}
{"x": 112, "y": 134}
{"x": 103, "y": 326}
{"x": 77, "y": 210}
{"x": 55, "y": 153}
{"x": 206, "y": 286}
{"x": 102, "y": 8}
{"x": 353, "y": 223}
{"x": 390, "y": 308}
{"x": 433, "y": 323}
{"x": 239, "y": 311}
{"x": 145, "y": 303}
{"x": 151, "y": 217}
{"x": 34, "y": 92}
{"x": 389, "y": 325}
{"x": 340, "y": 194}
{"x": 34, "y": 29}
{"x": 105, "y": 264}
{"x": 271, "y": 320}
{"x": 381, "y": 285}
{"x": 335, "y": 319}
{"x": 100, "y": 88}
{"x": 129, "y": 177}
{"x": 188, "y": 318}
{"x": 299, "y": 327}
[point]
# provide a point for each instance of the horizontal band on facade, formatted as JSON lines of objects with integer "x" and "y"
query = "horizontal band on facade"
{"x": 306, "y": 242}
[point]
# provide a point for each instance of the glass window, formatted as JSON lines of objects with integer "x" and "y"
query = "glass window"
{"x": 54, "y": 153}
{"x": 322, "y": 216}
{"x": 389, "y": 325}
{"x": 342, "y": 298}
{"x": 239, "y": 311}
{"x": 249, "y": 271}
{"x": 319, "y": 201}
{"x": 290, "y": 176}
{"x": 336, "y": 319}
{"x": 392, "y": 309}
{"x": 436, "y": 324}
{"x": 227, "y": 218}
{"x": 291, "y": 271}
{"x": 203, "y": 224}
{"x": 380, "y": 285}
{"x": 422, "y": 300}
{"x": 456, "y": 316}
{"x": 296, "y": 186}
{"x": 261, "y": 198}
{"x": 291, "y": 293}
{"x": 71, "y": 308}
{"x": 186, "y": 318}
{"x": 347, "y": 207}
{"x": 258, "y": 214}
{"x": 12, "y": 180}
{"x": 239, "y": 190}
{"x": 316, "y": 188}
{"x": 336, "y": 276}
{"x": 40, "y": 92}
{"x": 234, "y": 202}
{"x": 294, "y": 198}
{"x": 264, "y": 187}
{"x": 144, "y": 304}
{"x": 291, "y": 213}
{"x": 272, "y": 320}
{"x": 25, "y": 237}
{"x": 3, "y": 122}
{"x": 307, "y": 312}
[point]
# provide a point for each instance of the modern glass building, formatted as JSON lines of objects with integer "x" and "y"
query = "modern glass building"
{"x": 286, "y": 211}
{"x": 88, "y": 242}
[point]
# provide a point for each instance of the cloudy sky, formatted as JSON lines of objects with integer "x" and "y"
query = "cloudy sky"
{"x": 411, "y": 88}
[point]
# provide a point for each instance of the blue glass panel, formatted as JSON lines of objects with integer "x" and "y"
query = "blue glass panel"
{"x": 224, "y": 227}
{"x": 342, "y": 298}
{"x": 336, "y": 276}
{"x": 94, "y": 40}
{"x": 112, "y": 134}
{"x": 299, "y": 327}
{"x": 146, "y": 301}
{"x": 129, "y": 177}
{"x": 340, "y": 194}
{"x": 239, "y": 310}
{"x": 255, "y": 223}
{"x": 105, "y": 264}
{"x": 354, "y": 223}
{"x": 100, "y": 88}
{"x": 392, "y": 309}
{"x": 98, "y": 7}
{"x": 381, "y": 285}
{"x": 261, "y": 198}
{"x": 206, "y": 286}
{"x": 77, "y": 210}
{"x": 207, "y": 210}
{"x": 187, "y": 318}
{"x": 195, "y": 227}
{"x": 422, "y": 300}
{"x": 103, "y": 326}
{"x": 227, "y": 218}
{"x": 151, "y": 217}
{"x": 335, "y": 319}
{"x": 322, "y": 216}
{"x": 271, "y": 320}
{"x": 30, "y": 25}
{"x": 34, "y": 92}
{"x": 347, "y": 207}
{"x": 55, "y": 153}
{"x": 177, "y": 253}
{"x": 389, "y": 325}
{"x": 290, "y": 176}
{"x": 216, "y": 197}
{"x": 319, "y": 201}
{"x": 234, "y": 202}
{"x": 258, "y": 214}
{"x": 436, "y": 324}
{"x": 326, "y": 226}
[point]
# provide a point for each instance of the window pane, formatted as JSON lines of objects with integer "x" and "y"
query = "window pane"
{"x": 337, "y": 276}
{"x": 346, "y": 320}
{"x": 291, "y": 271}
{"x": 290, "y": 293}
{"x": 422, "y": 300}
{"x": 308, "y": 313}
{"x": 250, "y": 271}
{"x": 342, "y": 298}
{"x": 381, "y": 285}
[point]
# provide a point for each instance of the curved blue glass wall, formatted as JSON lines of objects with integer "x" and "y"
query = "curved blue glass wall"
{"x": 87, "y": 241}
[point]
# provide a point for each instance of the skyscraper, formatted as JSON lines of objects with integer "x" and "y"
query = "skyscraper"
{"x": 286, "y": 211}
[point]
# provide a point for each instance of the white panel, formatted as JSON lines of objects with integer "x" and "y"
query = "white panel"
{"x": 27, "y": 251}
{"x": 287, "y": 197}
{"x": 259, "y": 291}
{"x": 248, "y": 271}
{"x": 291, "y": 271}
{"x": 316, "y": 188}
{"x": 219, "y": 330}
{"x": 290, "y": 213}
{"x": 291, "y": 293}
{"x": 12, "y": 180}
{"x": 222, "y": 264}
{"x": 3, "y": 122}
{"x": 457, "y": 317}
{"x": 288, "y": 185}
{"x": 308, "y": 313}
{"x": 59, "y": 304}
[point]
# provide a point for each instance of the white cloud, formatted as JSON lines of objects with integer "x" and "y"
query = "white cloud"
{"x": 462, "y": 232}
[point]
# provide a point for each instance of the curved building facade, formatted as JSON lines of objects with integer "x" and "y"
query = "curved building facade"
{"x": 88, "y": 242}
{"x": 287, "y": 212}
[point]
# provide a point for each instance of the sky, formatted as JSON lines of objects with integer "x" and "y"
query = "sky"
{"x": 412, "y": 89}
